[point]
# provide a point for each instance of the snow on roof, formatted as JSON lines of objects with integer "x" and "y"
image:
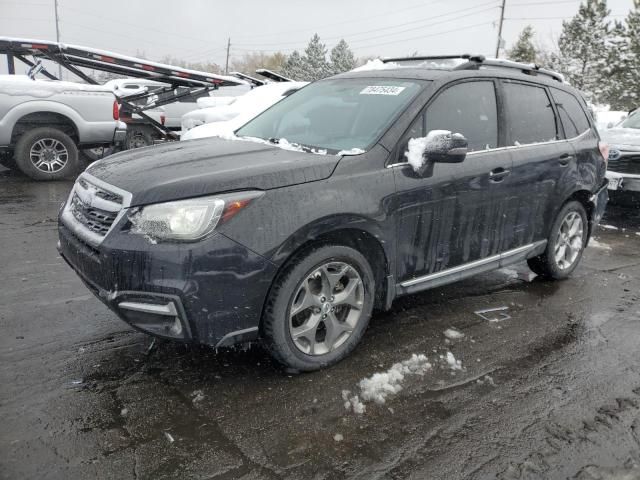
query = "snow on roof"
{"x": 22, "y": 85}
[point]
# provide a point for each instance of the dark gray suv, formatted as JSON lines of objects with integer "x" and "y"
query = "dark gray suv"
{"x": 345, "y": 195}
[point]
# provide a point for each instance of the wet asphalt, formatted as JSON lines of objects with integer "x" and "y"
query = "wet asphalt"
{"x": 553, "y": 392}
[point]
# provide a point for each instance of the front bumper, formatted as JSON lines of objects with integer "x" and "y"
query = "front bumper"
{"x": 209, "y": 292}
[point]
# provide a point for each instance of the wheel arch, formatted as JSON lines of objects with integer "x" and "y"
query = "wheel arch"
{"x": 360, "y": 233}
{"x": 44, "y": 119}
{"x": 583, "y": 197}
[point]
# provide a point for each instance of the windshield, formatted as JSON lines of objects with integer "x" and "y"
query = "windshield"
{"x": 633, "y": 121}
{"x": 338, "y": 114}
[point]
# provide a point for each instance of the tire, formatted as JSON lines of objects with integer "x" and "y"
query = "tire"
{"x": 46, "y": 154}
{"x": 557, "y": 263}
{"x": 137, "y": 137}
{"x": 300, "y": 284}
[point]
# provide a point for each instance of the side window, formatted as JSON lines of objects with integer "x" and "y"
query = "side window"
{"x": 573, "y": 117}
{"x": 530, "y": 117}
{"x": 470, "y": 109}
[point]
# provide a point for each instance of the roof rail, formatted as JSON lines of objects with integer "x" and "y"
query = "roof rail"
{"x": 526, "y": 68}
{"x": 466, "y": 56}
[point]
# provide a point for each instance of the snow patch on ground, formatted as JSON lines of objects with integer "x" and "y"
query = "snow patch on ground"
{"x": 453, "y": 334}
{"x": 379, "y": 386}
{"x": 452, "y": 362}
{"x": 593, "y": 243}
{"x": 609, "y": 227}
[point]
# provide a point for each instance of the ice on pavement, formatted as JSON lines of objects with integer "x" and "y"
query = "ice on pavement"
{"x": 453, "y": 334}
{"x": 596, "y": 244}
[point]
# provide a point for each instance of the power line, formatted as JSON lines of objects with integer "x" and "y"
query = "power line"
{"x": 346, "y": 22}
{"x": 493, "y": 3}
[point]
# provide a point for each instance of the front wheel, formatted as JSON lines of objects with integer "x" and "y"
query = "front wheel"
{"x": 46, "y": 153}
{"x": 565, "y": 245}
{"x": 319, "y": 309}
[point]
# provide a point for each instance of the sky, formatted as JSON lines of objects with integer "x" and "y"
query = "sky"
{"x": 198, "y": 30}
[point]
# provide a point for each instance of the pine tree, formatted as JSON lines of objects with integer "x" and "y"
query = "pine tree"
{"x": 294, "y": 67}
{"x": 342, "y": 58}
{"x": 632, "y": 83}
{"x": 524, "y": 50}
{"x": 583, "y": 51}
{"x": 315, "y": 60}
{"x": 618, "y": 70}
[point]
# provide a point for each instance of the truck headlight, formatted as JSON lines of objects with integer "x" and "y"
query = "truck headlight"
{"x": 188, "y": 220}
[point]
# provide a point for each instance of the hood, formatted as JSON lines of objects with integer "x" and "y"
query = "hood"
{"x": 618, "y": 137}
{"x": 179, "y": 170}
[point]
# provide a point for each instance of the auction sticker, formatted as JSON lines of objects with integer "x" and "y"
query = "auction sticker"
{"x": 381, "y": 90}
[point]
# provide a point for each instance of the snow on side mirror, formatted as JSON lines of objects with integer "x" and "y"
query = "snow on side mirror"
{"x": 439, "y": 146}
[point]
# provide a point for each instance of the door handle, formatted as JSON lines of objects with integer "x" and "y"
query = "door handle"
{"x": 564, "y": 159}
{"x": 498, "y": 174}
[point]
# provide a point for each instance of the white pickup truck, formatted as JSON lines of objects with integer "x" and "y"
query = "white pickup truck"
{"x": 45, "y": 124}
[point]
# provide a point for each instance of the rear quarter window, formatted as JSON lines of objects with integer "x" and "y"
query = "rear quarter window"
{"x": 573, "y": 117}
{"x": 529, "y": 114}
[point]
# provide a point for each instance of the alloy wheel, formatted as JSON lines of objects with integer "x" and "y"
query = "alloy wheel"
{"x": 49, "y": 155}
{"x": 326, "y": 308}
{"x": 569, "y": 241}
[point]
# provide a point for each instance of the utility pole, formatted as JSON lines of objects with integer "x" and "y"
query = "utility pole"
{"x": 226, "y": 65}
{"x": 58, "y": 36}
{"x": 500, "y": 28}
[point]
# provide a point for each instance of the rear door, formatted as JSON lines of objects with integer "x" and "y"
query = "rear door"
{"x": 541, "y": 158}
{"x": 448, "y": 218}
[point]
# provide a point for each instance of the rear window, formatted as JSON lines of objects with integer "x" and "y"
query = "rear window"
{"x": 530, "y": 117}
{"x": 573, "y": 117}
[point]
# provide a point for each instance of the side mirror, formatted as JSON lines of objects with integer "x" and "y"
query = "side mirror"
{"x": 439, "y": 146}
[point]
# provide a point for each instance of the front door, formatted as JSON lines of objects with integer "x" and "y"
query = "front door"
{"x": 447, "y": 218}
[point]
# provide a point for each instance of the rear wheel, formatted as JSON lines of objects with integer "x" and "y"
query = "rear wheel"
{"x": 46, "y": 154}
{"x": 565, "y": 245}
{"x": 319, "y": 308}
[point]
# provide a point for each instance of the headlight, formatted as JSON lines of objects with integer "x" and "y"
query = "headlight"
{"x": 188, "y": 220}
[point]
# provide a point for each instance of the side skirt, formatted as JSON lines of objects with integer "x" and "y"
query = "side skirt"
{"x": 466, "y": 270}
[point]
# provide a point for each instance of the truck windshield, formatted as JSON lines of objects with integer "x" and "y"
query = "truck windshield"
{"x": 336, "y": 114}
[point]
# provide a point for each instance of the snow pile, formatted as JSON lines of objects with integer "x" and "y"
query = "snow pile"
{"x": 353, "y": 402}
{"x": 353, "y": 151}
{"x": 375, "y": 64}
{"x": 452, "y": 362}
{"x": 453, "y": 334}
{"x": 417, "y": 147}
{"x": 379, "y": 386}
{"x": 609, "y": 227}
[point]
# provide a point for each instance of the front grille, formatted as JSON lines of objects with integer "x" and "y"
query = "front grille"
{"x": 95, "y": 208}
{"x": 625, "y": 164}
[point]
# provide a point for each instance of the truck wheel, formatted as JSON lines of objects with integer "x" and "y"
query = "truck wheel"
{"x": 565, "y": 245}
{"x": 319, "y": 308}
{"x": 46, "y": 154}
{"x": 137, "y": 138}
